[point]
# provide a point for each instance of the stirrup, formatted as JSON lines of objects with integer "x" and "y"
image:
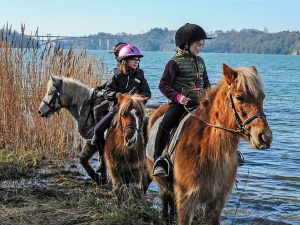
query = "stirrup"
{"x": 164, "y": 164}
{"x": 93, "y": 140}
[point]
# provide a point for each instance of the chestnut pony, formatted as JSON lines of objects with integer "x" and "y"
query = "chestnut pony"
{"x": 125, "y": 143}
{"x": 205, "y": 161}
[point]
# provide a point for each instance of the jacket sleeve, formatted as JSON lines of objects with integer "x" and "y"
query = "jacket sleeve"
{"x": 111, "y": 88}
{"x": 145, "y": 90}
{"x": 206, "y": 80}
{"x": 166, "y": 82}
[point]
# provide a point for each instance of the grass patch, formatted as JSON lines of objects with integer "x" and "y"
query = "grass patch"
{"x": 15, "y": 164}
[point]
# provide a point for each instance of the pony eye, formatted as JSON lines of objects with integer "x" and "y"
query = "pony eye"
{"x": 240, "y": 98}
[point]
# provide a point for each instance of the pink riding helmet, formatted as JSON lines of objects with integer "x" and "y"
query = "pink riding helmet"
{"x": 129, "y": 51}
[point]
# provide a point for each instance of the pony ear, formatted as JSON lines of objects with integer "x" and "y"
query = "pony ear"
{"x": 120, "y": 97}
{"x": 144, "y": 100}
{"x": 53, "y": 80}
{"x": 229, "y": 74}
{"x": 253, "y": 68}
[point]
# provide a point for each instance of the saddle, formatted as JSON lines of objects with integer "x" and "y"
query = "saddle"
{"x": 169, "y": 151}
{"x": 92, "y": 111}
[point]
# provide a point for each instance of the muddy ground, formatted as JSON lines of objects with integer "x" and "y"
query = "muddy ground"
{"x": 54, "y": 193}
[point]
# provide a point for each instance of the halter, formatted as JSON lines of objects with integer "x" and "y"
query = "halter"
{"x": 56, "y": 96}
{"x": 241, "y": 125}
{"x": 132, "y": 127}
{"x": 131, "y": 92}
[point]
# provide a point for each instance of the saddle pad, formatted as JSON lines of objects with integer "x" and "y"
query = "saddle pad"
{"x": 151, "y": 140}
{"x": 152, "y": 137}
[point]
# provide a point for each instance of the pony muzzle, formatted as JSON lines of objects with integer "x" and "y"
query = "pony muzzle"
{"x": 260, "y": 139}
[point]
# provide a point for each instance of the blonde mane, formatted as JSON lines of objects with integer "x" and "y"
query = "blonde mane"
{"x": 74, "y": 88}
{"x": 249, "y": 81}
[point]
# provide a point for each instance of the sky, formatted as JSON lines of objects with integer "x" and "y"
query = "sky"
{"x": 85, "y": 17}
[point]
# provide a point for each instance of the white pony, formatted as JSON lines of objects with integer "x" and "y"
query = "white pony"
{"x": 79, "y": 100}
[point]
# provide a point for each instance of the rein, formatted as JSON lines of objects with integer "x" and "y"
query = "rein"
{"x": 241, "y": 125}
{"x": 56, "y": 96}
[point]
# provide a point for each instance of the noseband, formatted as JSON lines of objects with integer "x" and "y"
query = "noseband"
{"x": 56, "y": 96}
{"x": 242, "y": 129}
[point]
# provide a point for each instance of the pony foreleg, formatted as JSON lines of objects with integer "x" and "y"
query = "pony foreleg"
{"x": 213, "y": 212}
{"x": 185, "y": 207}
{"x": 115, "y": 178}
{"x": 137, "y": 177}
{"x": 84, "y": 156}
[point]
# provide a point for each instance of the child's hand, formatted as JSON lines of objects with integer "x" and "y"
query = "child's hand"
{"x": 181, "y": 99}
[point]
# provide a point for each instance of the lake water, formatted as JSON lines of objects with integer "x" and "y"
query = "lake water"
{"x": 268, "y": 191}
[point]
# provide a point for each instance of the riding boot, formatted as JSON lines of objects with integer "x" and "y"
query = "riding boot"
{"x": 160, "y": 166}
{"x": 101, "y": 168}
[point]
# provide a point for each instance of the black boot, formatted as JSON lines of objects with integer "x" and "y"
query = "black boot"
{"x": 101, "y": 168}
{"x": 161, "y": 165}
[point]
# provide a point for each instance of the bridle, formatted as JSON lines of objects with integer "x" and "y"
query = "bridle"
{"x": 56, "y": 97}
{"x": 131, "y": 127}
{"x": 241, "y": 125}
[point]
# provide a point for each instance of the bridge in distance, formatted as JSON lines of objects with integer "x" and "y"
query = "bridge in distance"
{"x": 104, "y": 43}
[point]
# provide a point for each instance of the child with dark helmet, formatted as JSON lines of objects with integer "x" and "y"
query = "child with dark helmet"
{"x": 117, "y": 48}
{"x": 186, "y": 71}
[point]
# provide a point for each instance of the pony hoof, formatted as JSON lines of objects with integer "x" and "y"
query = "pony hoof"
{"x": 97, "y": 178}
{"x": 103, "y": 180}
{"x": 100, "y": 180}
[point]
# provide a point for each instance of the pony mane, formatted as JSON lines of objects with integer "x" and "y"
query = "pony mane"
{"x": 247, "y": 80}
{"x": 79, "y": 91}
{"x": 131, "y": 102}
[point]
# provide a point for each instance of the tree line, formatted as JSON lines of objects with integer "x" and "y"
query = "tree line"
{"x": 243, "y": 41}
{"x": 158, "y": 39}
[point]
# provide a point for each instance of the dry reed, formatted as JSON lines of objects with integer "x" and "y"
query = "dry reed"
{"x": 24, "y": 72}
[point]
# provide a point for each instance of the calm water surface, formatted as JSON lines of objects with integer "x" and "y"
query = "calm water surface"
{"x": 268, "y": 191}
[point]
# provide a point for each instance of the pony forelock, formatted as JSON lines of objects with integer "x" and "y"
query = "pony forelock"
{"x": 249, "y": 81}
{"x": 131, "y": 102}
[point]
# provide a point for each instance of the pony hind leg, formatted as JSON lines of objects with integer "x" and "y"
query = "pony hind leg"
{"x": 146, "y": 180}
{"x": 168, "y": 206}
{"x": 86, "y": 153}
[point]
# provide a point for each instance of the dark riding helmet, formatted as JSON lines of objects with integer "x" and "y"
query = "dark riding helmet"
{"x": 117, "y": 48}
{"x": 189, "y": 33}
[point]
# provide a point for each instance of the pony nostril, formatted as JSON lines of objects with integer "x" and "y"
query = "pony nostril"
{"x": 127, "y": 139}
{"x": 265, "y": 139}
{"x": 40, "y": 112}
{"x": 261, "y": 138}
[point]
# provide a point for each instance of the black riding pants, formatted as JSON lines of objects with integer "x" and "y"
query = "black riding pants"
{"x": 102, "y": 125}
{"x": 172, "y": 116}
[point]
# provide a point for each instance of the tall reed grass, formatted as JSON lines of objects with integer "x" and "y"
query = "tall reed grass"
{"x": 24, "y": 72}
